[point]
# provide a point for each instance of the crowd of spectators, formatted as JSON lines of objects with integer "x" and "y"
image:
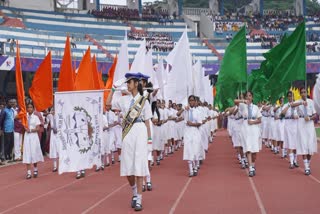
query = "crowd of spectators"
{"x": 148, "y": 14}
{"x": 313, "y": 48}
{"x": 266, "y": 22}
{"x": 161, "y": 42}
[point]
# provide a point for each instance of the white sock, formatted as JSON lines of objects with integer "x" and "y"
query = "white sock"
{"x": 134, "y": 190}
{"x": 190, "y": 166}
{"x": 239, "y": 157}
{"x": 251, "y": 168}
{"x": 295, "y": 159}
{"x": 119, "y": 157}
{"x": 139, "y": 198}
{"x": 107, "y": 159}
{"x": 112, "y": 156}
{"x": 29, "y": 172}
{"x": 197, "y": 164}
{"x": 102, "y": 160}
{"x": 283, "y": 152}
{"x": 243, "y": 160}
{"x": 306, "y": 163}
{"x": 35, "y": 169}
{"x": 291, "y": 157}
{"x": 309, "y": 161}
{"x": 55, "y": 164}
{"x": 148, "y": 178}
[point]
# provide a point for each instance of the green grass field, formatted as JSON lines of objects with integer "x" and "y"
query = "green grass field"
{"x": 318, "y": 132}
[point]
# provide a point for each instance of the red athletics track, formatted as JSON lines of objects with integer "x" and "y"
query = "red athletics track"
{"x": 221, "y": 187}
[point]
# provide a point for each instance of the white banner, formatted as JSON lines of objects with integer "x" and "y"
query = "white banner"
{"x": 79, "y": 123}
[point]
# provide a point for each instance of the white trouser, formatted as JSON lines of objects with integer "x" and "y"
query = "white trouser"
{"x": 17, "y": 145}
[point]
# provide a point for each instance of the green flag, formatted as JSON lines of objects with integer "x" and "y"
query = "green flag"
{"x": 256, "y": 84}
{"x": 234, "y": 64}
{"x": 233, "y": 70}
{"x": 289, "y": 58}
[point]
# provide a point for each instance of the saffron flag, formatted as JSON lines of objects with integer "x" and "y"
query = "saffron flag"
{"x": 84, "y": 79}
{"x": 20, "y": 90}
{"x": 41, "y": 91}
{"x": 66, "y": 76}
{"x": 79, "y": 125}
{"x": 110, "y": 77}
{"x": 95, "y": 73}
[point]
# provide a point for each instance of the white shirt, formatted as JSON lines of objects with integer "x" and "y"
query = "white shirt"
{"x": 291, "y": 112}
{"x": 244, "y": 110}
{"x": 124, "y": 105}
{"x": 310, "y": 110}
{"x": 33, "y": 121}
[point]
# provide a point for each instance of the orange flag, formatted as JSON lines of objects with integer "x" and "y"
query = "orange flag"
{"x": 84, "y": 78}
{"x": 110, "y": 77}
{"x": 95, "y": 73}
{"x": 66, "y": 76}
{"x": 41, "y": 91}
{"x": 101, "y": 80}
{"x": 20, "y": 90}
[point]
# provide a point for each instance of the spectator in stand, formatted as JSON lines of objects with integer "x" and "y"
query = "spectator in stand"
{"x": 12, "y": 43}
{"x": 73, "y": 42}
{"x": 161, "y": 42}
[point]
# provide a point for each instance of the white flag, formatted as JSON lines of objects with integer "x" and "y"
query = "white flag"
{"x": 123, "y": 61}
{"x": 138, "y": 64}
{"x": 79, "y": 123}
{"x": 197, "y": 79}
{"x": 121, "y": 69}
{"x": 181, "y": 61}
{"x": 316, "y": 95}
{"x": 159, "y": 76}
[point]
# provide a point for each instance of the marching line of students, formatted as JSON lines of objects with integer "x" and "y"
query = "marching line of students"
{"x": 142, "y": 129}
{"x": 287, "y": 129}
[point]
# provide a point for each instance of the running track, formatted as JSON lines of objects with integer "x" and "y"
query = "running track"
{"x": 221, "y": 187}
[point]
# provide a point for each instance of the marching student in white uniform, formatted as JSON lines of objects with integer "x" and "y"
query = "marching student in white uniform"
{"x": 163, "y": 130}
{"x": 192, "y": 137}
{"x": 251, "y": 134}
{"x": 290, "y": 130}
{"x": 32, "y": 153}
{"x": 146, "y": 184}
{"x": 273, "y": 130}
{"x": 265, "y": 125}
{"x": 158, "y": 146}
{"x": 171, "y": 127}
{"x": 107, "y": 138}
{"x": 136, "y": 135}
{"x": 180, "y": 126}
{"x": 307, "y": 144}
{"x": 54, "y": 145}
{"x": 117, "y": 129}
{"x": 280, "y": 128}
{"x": 165, "y": 127}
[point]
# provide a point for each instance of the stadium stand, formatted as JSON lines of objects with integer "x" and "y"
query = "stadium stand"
{"x": 40, "y": 31}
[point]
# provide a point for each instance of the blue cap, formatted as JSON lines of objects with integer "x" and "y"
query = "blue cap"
{"x": 143, "y": 76}
{"x": 130, "y": 76}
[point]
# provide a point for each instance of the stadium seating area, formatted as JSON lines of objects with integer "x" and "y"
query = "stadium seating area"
{"x": 47, "y": 31}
